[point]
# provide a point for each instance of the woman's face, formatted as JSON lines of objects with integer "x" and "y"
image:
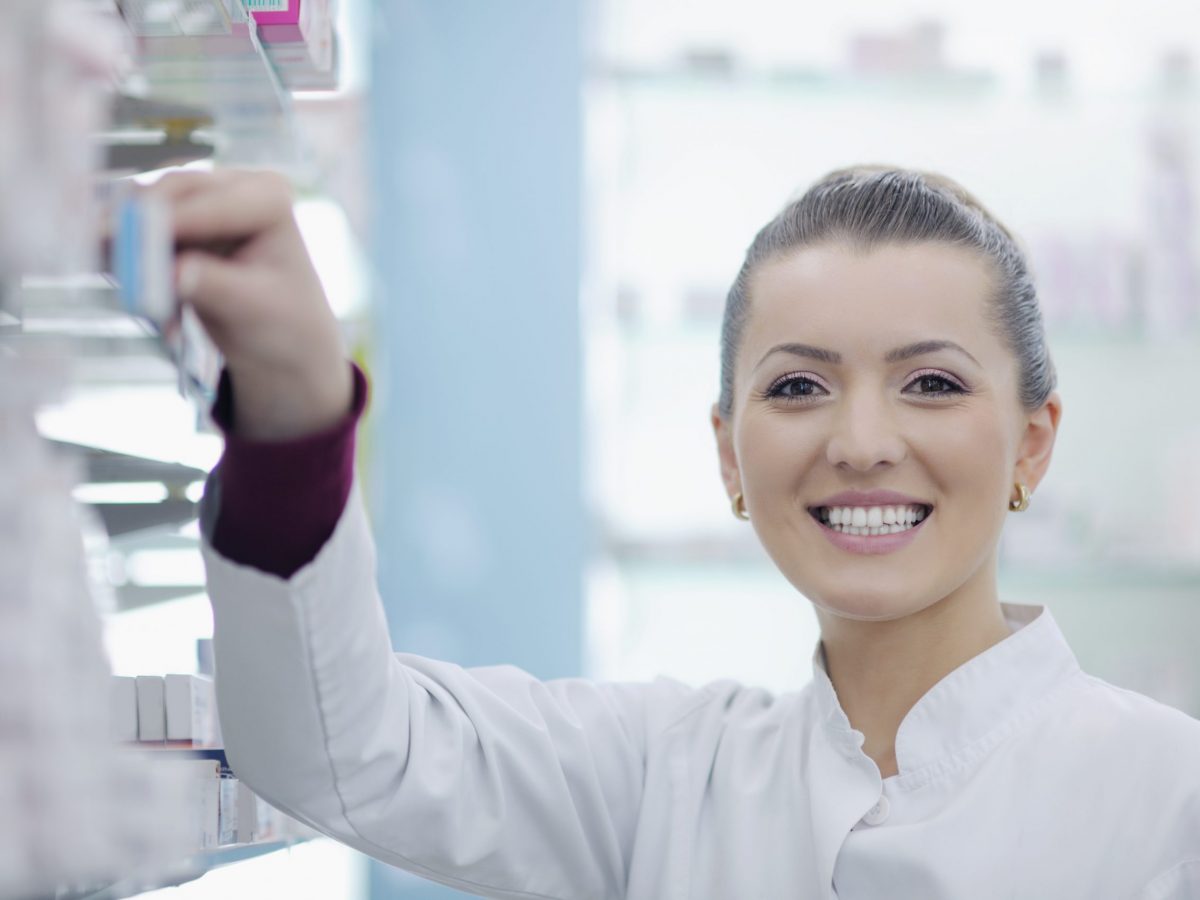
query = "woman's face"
{"x": 851, "y": 403}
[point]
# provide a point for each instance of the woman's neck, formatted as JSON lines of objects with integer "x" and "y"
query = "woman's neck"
{"x": 881, "y": 669}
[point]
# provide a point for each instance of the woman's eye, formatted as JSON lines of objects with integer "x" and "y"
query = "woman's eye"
{"x": 795, "y": 387}
{"x": 798, "y": 388}
{"x": 931, "y": 384}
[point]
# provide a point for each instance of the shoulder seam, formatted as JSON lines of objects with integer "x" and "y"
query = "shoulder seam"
{"x": 1161, "y": 879}
{"x": 704, "y": 694}
{"x": 1100, "y": 683}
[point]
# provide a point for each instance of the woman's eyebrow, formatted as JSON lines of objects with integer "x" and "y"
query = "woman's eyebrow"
{"x": 899, "y": 354}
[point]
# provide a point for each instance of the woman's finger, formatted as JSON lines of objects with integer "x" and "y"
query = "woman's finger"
{"x": 176, "y": 185}
{"x": 210, "y": 284}
{"x": 232, "y": 209}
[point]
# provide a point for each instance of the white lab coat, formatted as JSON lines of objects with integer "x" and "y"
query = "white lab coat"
{"x": 1020, "y": 776}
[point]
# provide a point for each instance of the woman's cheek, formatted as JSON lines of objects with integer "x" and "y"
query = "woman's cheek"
{"x": 778, "y": 454}
{"x": 968, "y": 456}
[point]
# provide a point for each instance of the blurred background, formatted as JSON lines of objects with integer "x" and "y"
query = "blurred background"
{"x": 527, "y": 216}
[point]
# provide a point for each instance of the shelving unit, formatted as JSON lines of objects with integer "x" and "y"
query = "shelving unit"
{"x": 179, "y": 873}
{"x": 205, "y": 96}
{"x": 201, "y": 95}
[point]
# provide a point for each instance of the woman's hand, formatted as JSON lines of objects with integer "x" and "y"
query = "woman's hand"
{"x": 242, "y": 266}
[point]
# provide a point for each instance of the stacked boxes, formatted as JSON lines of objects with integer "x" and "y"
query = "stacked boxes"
{"x": 123, "y": 709}
{"x": 157, "y": 708}
{"x": 298, "y": 38}
{"x": 175, "y": 718}
{"x": 151, "y": 708}
{"x": 191, "y": 710}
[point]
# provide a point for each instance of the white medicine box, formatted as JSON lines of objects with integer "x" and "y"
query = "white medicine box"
{"x": 123, "y": 709}
{"x": 151, "y": 708}
{"x": 191, "y": 710}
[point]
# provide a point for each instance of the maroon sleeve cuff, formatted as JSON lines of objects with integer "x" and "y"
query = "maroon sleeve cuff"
{"x": 279, "y": 501}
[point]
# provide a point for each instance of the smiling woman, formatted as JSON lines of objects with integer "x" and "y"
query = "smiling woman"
{"x": 949, "y": 433}
{"x": 914, "y": 361}
{"x": 887, "y": 397}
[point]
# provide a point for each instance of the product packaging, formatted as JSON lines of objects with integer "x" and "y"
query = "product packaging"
{"x": 298, "y": 37}
{"x": 151, "y": 708}
{"x": 229, "y": 815}
{"x": 142, "y": 263}
{"x": 247, "y": 813}
{"x": 271, "y": 822}
{"x": 123, "y": 709}
{"x": 154, "y": 18}
{"x": 191, "y": 710}
{"x": 143, "y": 258}
{"x": 200, "y": 782}
{"x": 257, "y": 819}
{"x": 207, "y": 805}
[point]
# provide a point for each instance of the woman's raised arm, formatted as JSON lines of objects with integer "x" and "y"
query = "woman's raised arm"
{"x": 485, "y": 779}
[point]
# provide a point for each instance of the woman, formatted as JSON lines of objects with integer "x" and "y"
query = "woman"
{"x": 886, "y": 399}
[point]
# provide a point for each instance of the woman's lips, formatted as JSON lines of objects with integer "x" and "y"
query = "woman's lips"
{"x": 871, "y": 543}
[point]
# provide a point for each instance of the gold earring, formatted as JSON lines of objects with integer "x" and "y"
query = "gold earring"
{"x": 1022, "y": 502}
{"x": 739, "y": 506}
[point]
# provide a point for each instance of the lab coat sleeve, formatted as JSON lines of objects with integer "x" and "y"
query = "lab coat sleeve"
{"x": 485, "y": 779}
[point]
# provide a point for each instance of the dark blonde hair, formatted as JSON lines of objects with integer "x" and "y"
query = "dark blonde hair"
{"x": 866, "y": 206}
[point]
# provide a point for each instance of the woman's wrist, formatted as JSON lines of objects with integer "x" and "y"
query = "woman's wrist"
{"x": 278, "y": 406}
{"x": 280, "y": 500}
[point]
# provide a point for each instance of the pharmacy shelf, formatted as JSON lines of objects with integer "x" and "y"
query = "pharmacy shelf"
{"x": 84, "y": 312}
{"x": 702, "y": 309}
{"x": 701, "y": 71}
{"x": 83, "y": 316}
{"x": 224, "y": 82}
{"x": 147, "y": 134}
{"x": 184, "y": 98}
{"x": 182, "y": 872}
{"x": 196, "y": 864}
{"x": 741, "y": 552}
{"x": 106, "y": 467}
{"x": 107, "y": 348}
{"x": 213, "y": 93}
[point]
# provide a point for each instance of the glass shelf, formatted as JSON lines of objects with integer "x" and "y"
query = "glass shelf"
{"x": 226, "y": 75}
{"x": 701, "y": 557}
{"x": 182, "y": 872}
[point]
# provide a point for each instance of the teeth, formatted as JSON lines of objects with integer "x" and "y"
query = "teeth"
{"x": 872, "y": 520}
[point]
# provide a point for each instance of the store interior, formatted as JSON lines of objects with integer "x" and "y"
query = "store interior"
{"x": 526, "y": 217}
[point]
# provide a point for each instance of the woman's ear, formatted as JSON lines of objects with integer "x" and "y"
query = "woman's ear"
{"x": 726, "y": 455}
{"x": 1037, "y": 441}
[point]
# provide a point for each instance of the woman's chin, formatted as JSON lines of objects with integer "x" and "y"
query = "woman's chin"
{"x": 863, "y": 605}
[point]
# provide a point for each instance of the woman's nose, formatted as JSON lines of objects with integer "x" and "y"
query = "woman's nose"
{"x": 865, "y": 434}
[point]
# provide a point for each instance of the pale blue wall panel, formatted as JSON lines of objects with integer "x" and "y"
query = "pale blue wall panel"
{"x": 476, "y": 491}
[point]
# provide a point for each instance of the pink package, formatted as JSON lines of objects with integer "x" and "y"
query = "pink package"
{"x": 276, "y": 12}
{"x": 290, "y": 20}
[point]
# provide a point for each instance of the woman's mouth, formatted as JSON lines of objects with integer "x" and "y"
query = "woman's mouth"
{"x": 838, "y": 523}
{"x": 871, "y": 520}
{"x": 871, "y": 529}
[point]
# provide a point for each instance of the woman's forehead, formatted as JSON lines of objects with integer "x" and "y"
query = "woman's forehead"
{"x": 868, "y": 301}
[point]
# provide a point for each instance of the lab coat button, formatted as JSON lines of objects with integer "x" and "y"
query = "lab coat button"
{"x": 878, "y": 813}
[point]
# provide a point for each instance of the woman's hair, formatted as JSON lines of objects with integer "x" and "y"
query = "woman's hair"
{"x": 866, "y": 206}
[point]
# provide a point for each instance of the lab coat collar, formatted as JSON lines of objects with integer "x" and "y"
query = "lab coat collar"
{"x": 981, "y": 695}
